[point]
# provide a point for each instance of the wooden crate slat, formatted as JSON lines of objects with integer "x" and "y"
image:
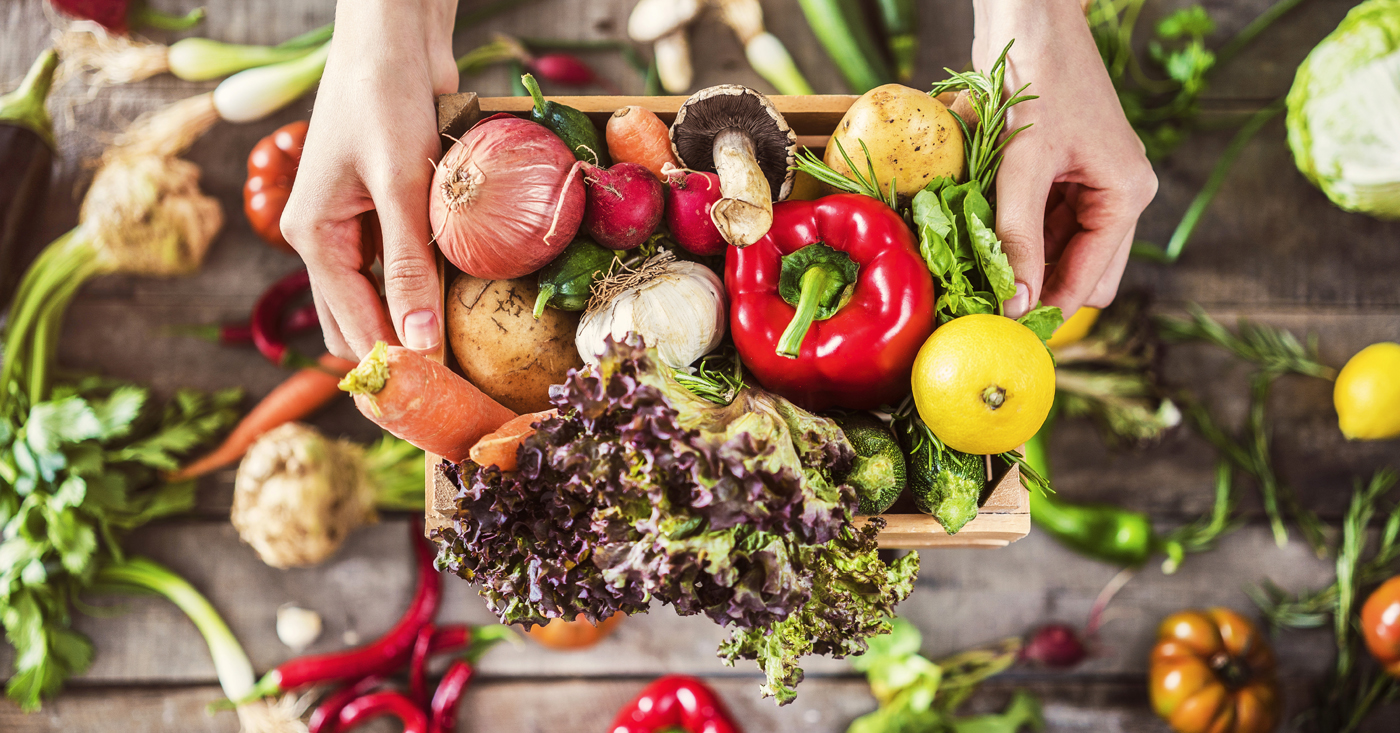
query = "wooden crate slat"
{"x": 1002, "y": 519}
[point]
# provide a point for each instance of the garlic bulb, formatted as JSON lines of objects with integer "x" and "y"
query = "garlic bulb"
{"x": 677, "y": 307}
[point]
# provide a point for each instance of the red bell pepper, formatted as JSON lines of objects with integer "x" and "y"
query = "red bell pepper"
{"x": 675, "y": 701}
{"x": 830, "y": 308}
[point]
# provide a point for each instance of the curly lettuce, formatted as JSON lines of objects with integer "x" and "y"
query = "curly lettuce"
{"x": 639, "y": 491}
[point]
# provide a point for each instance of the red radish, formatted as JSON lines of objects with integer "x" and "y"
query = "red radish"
{"x": 561, "y": 68}
{"x": 1056, "y": 646}
{"x": 625, "y": 204}
{"x": 689, "y": 196}
{"x": 110, "y": 14}
{"x": 506, "y": 198}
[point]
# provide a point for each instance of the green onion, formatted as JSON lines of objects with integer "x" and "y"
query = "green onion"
{"x": 840, "y": 26}
{"x": 768, "y": 56}
{"x": 230, "y": 662}
{"x": 201, "y": 59}
{"x": 256, "y": 93}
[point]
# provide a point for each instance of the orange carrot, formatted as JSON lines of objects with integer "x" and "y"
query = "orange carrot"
{"x": 300, "y": 395}
{"x": 500, "y": 448}
{"x": 423, "y": 401}
{"x": 636, "y": 135}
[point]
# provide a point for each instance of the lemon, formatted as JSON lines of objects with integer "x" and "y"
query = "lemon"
{"x": 1075, "y": 328}
{"x": 983, "y": 384}
{"x": 1367, "y": 393}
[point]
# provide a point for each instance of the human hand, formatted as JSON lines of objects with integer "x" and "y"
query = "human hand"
{"x": 373, "y": 134}
{"x": 1072, "y": 185}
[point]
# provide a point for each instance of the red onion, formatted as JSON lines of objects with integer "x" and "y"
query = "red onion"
{"x": 506, "y": 199}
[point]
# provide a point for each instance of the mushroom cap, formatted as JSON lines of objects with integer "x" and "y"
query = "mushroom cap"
{"x": 711, "y": 111}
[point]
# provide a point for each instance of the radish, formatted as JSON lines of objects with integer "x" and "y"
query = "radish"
{"x": 625, "y": 204}
{"x": 689, "y": 196}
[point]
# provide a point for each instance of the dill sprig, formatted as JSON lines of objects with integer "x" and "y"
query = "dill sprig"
{"x": 984, "y": 92}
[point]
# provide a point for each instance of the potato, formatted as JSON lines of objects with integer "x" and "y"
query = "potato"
{"x": 912, "y": 137}
{"x": 500, "y": 346}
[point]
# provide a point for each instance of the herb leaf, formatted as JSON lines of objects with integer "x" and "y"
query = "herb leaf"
{"x": 1042, "y": 320}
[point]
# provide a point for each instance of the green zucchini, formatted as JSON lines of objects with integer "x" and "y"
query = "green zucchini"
{"x": 878, "y": 474}
{"x": 945, "y": 483}
{"x": 571, "y": 125}
{"x": 567, "y": 281}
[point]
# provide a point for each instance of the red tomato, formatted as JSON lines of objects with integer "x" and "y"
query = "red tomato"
{"x": 1380, "y": 622}
{"x": 272, "y": 167}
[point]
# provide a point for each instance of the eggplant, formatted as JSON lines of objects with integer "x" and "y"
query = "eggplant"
{"x": 26, "y": 156}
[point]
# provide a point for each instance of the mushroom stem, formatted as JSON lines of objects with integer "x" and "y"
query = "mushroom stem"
{"x": 745, "y": 213}
{"x": 673, "y": 62}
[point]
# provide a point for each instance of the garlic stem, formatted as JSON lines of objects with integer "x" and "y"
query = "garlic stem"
{"x": 745, "y": 213}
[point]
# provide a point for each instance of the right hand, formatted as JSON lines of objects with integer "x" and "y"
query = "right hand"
{"x": 372, "y": 140}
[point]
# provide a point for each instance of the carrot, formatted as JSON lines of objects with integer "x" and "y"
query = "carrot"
{"x": 300, "y": 395}
{"x": 422, "y": 401}
{"x": 636, "y": 135}
{"x": 499, "y": 449}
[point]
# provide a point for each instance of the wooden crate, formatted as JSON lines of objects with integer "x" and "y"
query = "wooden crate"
{"x": 1005, "y": 513}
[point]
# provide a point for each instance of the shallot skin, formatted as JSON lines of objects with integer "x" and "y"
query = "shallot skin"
{"x": 506, "y": 199}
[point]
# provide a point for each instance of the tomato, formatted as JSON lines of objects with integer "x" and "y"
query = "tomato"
{"x": 1380, "y": 622}
{"x": 576, "y": 634}
{"x": 272, "y": 167}
{"x": 1213, "y": 672}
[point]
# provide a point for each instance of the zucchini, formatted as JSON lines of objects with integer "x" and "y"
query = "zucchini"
{"x": 944, "y": 482}
{"x": 567, "y": 281}
{"x": 571, "y": 125}
{"x": 878, "y": 473}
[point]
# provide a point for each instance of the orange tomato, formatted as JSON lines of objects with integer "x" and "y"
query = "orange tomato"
{"x": 1380, "y": 622}
{"x": 576, "y": 634}
{"x": 1213, "y": 672}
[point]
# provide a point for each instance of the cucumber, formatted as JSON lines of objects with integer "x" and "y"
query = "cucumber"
{"x": 571, "y": 125}
{"x": 878, "y": 474}
{"x": 944, "y": 482}
{"x": 567, "y": 281}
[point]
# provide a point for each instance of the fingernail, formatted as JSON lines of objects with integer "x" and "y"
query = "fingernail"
{"x": 1020, "y": 303}
{"x": 420, "y": 331}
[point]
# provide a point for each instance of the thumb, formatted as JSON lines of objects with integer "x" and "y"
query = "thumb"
{"x": 412, "y": 288}
{"x": 1021, "y": 195}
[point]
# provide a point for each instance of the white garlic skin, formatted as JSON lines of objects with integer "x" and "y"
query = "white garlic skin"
{"x": 680, "y": 313}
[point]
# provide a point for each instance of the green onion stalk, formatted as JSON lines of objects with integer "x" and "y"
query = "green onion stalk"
{"x": 765, "y": 53}
{"x": 841, "y": 28}
{"x": 231, "y": 663}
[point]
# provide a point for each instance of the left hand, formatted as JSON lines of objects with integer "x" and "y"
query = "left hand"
{"x": 1072, "y": 185}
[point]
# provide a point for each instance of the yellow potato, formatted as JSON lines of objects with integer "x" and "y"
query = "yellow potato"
{"x": 912, "y": 138}
{"x": 500, "y": 346}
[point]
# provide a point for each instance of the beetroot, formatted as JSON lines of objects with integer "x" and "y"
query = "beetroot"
{"x": 625, "y": 204}
{"x": 1056, "y": 646}
{"x": 689, "y": 196}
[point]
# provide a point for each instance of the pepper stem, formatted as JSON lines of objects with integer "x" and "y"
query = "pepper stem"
{"x": 546, "y": 294}
{"x": 816, "y": 281}
{"x": 26, "y": 105}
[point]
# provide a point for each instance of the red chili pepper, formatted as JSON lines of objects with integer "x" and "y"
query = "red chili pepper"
{"x": 272, "y": 168}
{"x": 380, "y": 704}
{"x": 384, "y": 656}
{"x": 449, "y": 693}
{"x": 563, "y": 68}
{"x": 450, "y": 637}
{"x": 417, "y": 666}
{"x": 326, "y": 717}
{"x": 675, "y": 701}
{"x": 841, "y": 277}
{"x": 302, "y": 319}
{"x": 267, "y": 319}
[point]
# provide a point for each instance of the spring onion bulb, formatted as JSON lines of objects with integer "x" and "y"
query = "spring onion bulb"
{"x": 256, "y": 93}
{"x": 200, "y": 59}
{"x": 768, "y": 56}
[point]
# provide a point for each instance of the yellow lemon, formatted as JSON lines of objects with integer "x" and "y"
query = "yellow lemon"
{"x": 1075, "y": 328}
{"x": 1367, "y": 393}
{"x": 983, "y": 384}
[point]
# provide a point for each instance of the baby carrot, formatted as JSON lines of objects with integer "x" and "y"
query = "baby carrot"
{"x": 636, "y": 135}
{"x": 302, "y": 394}
{"x": 422, "y": 401}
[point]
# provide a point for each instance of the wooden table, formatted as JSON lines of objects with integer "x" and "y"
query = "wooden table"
{"x": 1271, "y": 249}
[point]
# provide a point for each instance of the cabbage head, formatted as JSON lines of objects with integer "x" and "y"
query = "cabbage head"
{"x": 1344, "y": 112}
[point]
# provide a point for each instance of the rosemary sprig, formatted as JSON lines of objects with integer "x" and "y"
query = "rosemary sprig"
{"x": 1202, "y": 534}
{"x": 984, "y": 92}
{"x": 1274, "y": 350}
{"x": 865, "y": 184}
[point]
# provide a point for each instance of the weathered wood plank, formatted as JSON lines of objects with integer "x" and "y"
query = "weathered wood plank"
{"x": 1117, "y": 705}
{"x": 963, "y": 598}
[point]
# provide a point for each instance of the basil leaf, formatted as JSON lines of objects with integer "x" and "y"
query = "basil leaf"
{"x": 1042, "y": 320}
{"x": 989, "y": 255}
